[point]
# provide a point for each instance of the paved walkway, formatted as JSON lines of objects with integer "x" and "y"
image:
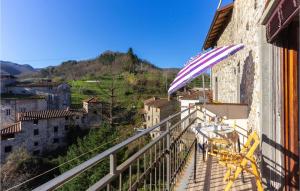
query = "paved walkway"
{"x": 209, "y": 177}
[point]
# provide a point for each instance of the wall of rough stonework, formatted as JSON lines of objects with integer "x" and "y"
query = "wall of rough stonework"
{"x": 57, "y": 97}
{"x": 94, "y": 117}
{"x": 238, "y": 77}
{"x": 19, "y": 105}
{"x": 45, "y": 138}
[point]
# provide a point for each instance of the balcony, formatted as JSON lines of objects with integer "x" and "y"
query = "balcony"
{"x": 171, "y": 161}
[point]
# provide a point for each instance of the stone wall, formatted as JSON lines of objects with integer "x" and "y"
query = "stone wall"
{"x": 51, "y": 135}
{"x": 58, "y": 97}
{"x": 19, "y": 105}
{"x": 94, "y": 114}
{"x": 238, "y": 77}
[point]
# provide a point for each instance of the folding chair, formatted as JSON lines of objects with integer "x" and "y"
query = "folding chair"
{"x": 237, "y": 162}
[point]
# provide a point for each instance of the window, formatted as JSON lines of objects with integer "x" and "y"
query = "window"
{"x": 82, "y": 120}
{"x": 95, "y": 112}
{"x": 35, "y": 132}
{"x": 77, "y": 117}
{"x": 66, "y": 118}
{"x": 7, "y": 149}
{"x": 156, "y": 120}
{"x": 23, "y": 109}
{"x": 148, "y": 118}
{"x": 55, "y": 140}
{"x": 36, "y": 152}
{"x": 66, "y": 127}
{"x": 55, "y": 129}
{"x": 35, "y": 121}
{"x": 148, "y": 108}
{"x": 36, "y": 143}
{"x": 8, "y": 112}
{"x": 156, "y": 110}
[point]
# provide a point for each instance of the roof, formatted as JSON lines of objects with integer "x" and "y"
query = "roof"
{"x": 36, "y": 84}
{"x": 160, "y": 102}
{"x": 194, "y": 95}
{"x": 92, "y": 100}
{"x": 46, "y": 114}
{"x": 20, "y": 96}
{"x": 229, "y": 110}
{"x": 13, "y": 128}
{"x": 4, "y": 74}
{"x": 219, "y": 23}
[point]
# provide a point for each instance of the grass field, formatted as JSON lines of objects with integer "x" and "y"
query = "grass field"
{"x": 126, "y": 94}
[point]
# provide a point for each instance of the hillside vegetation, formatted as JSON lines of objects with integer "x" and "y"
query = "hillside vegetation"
{"x": 107, "y": 63}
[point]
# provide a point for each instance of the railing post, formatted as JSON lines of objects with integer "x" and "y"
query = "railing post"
{"x": 195, "y": 160}
{"x": 168, "y": 157}
{"x": 112, "y": 163}
{"x": 189, "y": 116}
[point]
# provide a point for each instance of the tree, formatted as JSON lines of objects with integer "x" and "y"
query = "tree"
{"x": 21, "y": 166}
{"x": 96, "y": 141}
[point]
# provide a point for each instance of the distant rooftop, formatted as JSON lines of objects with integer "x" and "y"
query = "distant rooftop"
{"x": 158, "y": 102}
{"x": 20, "y": 96}
{"x": 13, "y": 128}
{"x": 194, "y": 95}
{"x": 36, "y": 84}
{"x": 92, "y": 100}
{"x": 46, "y": 114}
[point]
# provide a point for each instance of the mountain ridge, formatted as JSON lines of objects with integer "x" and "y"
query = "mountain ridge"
{"x": 16, "y": 69}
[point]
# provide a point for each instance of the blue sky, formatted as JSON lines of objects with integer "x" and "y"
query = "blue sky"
{"x": 47, "y": 32}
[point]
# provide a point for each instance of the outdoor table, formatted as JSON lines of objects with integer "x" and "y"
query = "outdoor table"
{"x": 211, "y": 131}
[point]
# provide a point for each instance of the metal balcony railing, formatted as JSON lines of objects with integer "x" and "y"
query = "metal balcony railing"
{"x": 156, "y": 166}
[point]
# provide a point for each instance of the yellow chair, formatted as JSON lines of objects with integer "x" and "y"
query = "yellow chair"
{"x": 219, "y": 145}
{"x": 237, "y": 162}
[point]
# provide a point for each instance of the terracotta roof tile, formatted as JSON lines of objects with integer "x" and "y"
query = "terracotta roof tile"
{"x": 46, "y": 114}
{"x": 92, "y": 100}
{"x": 161, "y": 102}
{"x": 13, "y": 128}
{"x": 194, "y": 95}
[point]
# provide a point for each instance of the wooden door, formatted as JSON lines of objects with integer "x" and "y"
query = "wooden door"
{"x": 290, "y": 57}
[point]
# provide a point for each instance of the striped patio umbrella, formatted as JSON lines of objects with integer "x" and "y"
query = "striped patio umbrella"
{"x": 199, "y": 63}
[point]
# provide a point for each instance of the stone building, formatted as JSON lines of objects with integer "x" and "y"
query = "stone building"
{"x": 12, "y": 104}
{"x": 93, "y": 108}
{"x": 43, "y": 131}
{"x": 265, "y": 76}
{"x": 6, "y": 79}
{"x": 157, "y": 109}
{"x": 191, "y": 97}
{"x": 57, "y": 95}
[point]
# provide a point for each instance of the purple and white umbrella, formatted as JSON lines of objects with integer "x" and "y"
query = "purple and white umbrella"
{"x": 198, "y": 64}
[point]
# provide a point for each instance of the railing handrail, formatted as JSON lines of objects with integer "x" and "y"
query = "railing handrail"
{"x": 61, "y": 179}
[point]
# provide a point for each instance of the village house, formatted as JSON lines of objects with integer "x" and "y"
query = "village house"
{"x": 189, "y": 98}
{"x": 46, "y": 130}
{"x": 265, "y": 77}
{"x": 6, "y": 79}
{"x": 37, "y": 115}
{"x": 156, "y": 109}
{"x": 57, "y": 95}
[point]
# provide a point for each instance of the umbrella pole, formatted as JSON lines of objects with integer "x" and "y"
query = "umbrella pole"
{"x": 203, "y": 85}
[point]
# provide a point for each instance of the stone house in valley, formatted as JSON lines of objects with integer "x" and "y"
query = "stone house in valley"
{"x": 265, "y": 76}
{"x": 5, "y": 80}
{"x": 57, "y": 95}
{"x": 46, "y": 130}
{"x": 12, "y": 104}
{"x": 157, "y": 109}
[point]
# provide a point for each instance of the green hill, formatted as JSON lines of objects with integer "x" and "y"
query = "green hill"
{"x": 106, "y": 63}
